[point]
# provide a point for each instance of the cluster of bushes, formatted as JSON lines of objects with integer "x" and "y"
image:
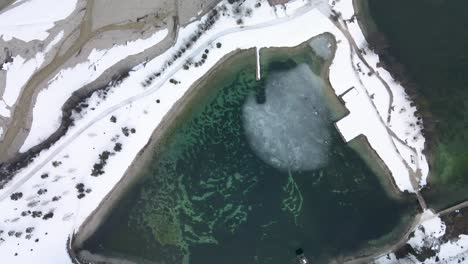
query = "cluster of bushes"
{"x": 118, "y": 79}
{"x": 83, "y": 105}
{"x": 36, "y": 214}
{"x": 118, "y": 147}
{"x": 16, "y": 196}
{"x": 26, "y": 213}
{"x": 174, "y": 81}
{"x": 80, "y": 107}
{"x": 42, "y": 191}
{"x": 240, "y": 12}
{"x": 98, "y": 167}
{"x": 15, "y": 233}
{"x": 81, "y": 190}
{"x": 202, "y": 61}
{"x": 126, "y": 131}
{"x": 48, "y": 215}
{"x": 206, "y": 25}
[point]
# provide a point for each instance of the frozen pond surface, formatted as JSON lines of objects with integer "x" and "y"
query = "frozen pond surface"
{"x": 322, "y": 47}
{"x": 289, "y": 130}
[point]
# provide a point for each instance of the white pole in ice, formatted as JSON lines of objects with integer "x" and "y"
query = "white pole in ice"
{"x": 257, "y": 51}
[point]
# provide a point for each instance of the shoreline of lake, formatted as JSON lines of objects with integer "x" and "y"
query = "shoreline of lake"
{"x": 188, "y": 101}
{"x": 144, "y": 156}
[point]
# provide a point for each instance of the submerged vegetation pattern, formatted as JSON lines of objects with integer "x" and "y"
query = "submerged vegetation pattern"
{"x": 208, "y": 195}
{"x": 293, "y": 200}
{"x": 185, "y": 203}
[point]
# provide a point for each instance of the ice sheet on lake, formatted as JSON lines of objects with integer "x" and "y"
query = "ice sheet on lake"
{"x": 322, "y": 47}
{"x": 290, "y": 130}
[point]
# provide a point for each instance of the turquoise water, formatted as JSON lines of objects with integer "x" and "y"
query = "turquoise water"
{"x": 256, "y": 171}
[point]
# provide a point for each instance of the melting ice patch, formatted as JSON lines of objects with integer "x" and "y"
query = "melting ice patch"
{"x": 321, "y": 46}
{"x": 290, "y": 130}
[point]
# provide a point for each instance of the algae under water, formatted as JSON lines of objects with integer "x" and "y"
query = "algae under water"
{"x": 210, "y": 197}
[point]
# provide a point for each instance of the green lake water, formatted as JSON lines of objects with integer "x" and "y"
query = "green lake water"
{"x": 237, "y": 181}
{"x": 429, "y": 37}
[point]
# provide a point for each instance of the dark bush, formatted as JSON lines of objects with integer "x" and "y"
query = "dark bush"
{"x": 15, "y": 196}
{"x": 36, "y": 214}
{"x": 125, "y": 131}
{"x": 48, "y": 216}
{"x": 118, "y": 147}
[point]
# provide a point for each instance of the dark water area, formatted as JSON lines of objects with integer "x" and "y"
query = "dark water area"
{"x": 222, "y": 190}
{"x": 429, "y": 38}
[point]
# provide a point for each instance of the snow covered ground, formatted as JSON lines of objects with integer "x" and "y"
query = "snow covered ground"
{"x": 31, "y": 20}
{"x": 51, "y": 198}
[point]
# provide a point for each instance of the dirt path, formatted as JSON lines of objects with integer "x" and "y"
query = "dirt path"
{"x": 453, "y": 208}
{"x": 5, "y": 3}
{"x": 345, "y": 31}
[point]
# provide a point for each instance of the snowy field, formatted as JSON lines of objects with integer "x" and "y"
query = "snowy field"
{"x": 31, "y": 20}
{"x": 49, "y": 200}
